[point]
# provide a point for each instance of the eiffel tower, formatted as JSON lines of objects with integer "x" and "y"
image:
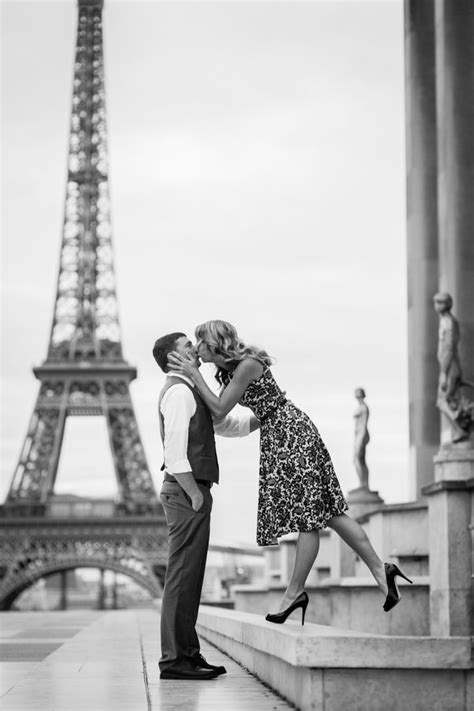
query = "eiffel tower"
{"x": 84, "y": 374}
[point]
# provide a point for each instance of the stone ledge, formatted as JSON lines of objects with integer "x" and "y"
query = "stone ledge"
{"x": 453, "y": 453}
{"x": 354, "y": 581}
{"x": 448, "y": 485}
{"x": 318, "y": 668}
{"x": 393, "y": 509}
{"x": 322, "y": 646}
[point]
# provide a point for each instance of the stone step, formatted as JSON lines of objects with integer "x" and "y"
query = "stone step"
{"x": 320, "y": 667}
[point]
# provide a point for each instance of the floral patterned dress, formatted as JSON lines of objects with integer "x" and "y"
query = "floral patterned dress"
{"x": 298, "y": 487}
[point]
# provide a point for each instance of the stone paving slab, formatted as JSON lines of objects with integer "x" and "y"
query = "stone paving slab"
{"x": 56, "y": 632}
{"x": 101, "y": 661}
{"x": 30, "y": 651}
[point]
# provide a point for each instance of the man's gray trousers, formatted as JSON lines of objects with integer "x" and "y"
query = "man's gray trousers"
{"x": 188, "y": 539}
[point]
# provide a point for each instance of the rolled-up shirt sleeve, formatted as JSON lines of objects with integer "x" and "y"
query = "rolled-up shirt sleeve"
{"x": 177, "y": 407}
{"x": 233, "y": 425}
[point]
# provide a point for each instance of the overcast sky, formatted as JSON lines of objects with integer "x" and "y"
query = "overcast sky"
{"x": 257, "y": 174}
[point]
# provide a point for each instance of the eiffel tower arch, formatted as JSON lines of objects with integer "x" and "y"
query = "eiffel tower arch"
{"x": 84, "y": 374}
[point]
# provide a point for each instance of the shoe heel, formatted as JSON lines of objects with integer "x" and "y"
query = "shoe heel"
{"x": 402, "y": 575}
{"x": 304, "y": 605}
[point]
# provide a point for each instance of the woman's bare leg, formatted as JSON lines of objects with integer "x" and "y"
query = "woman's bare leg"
{"x": 355, "y": 537}
{"x": 307, "y": 549}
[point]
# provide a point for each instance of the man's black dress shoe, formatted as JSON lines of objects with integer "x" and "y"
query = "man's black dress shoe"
{"x": 188, "y": 673}
{"x": 199, "y": 661}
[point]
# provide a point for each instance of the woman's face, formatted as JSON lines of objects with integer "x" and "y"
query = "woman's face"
{"x": 204, "y": 352}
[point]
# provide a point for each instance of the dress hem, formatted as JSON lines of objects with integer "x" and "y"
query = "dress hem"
{"x": 294, "y": 529}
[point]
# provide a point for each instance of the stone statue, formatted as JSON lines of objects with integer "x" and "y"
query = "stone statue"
{"x": 361, "y": 438}
{"x": 450, "y": 400}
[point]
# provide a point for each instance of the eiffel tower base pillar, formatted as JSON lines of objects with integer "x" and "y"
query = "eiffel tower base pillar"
{"x": 101, "y": 595}
{"x": 63, "y": 588}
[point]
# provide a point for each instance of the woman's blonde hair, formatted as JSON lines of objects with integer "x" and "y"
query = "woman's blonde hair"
{"x": 223, "y": 338}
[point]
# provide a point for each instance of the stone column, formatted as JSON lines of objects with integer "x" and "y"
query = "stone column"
{"x": 63, "y": 590}
{"x": 450, "y": 513}
{"x": 422, "y": 239}
{"x": 115, "y": 594}
{"x": 455, "y": 118}
{"x": 101, "y": 591}
{"x": 287, "y": 557}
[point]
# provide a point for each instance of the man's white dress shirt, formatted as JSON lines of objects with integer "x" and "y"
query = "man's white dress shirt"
{"x": 178, "y": 407}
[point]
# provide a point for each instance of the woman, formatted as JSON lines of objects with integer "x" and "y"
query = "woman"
{"x": 298, "y": 488}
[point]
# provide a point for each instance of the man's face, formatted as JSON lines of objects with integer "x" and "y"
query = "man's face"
{"x": 184, "y": 347}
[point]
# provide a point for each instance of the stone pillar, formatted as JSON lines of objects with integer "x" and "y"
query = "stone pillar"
{"x": 115, "y": 594}
{"x": 343, "y": 561}
{"x": 455, "y": 463}
{"x": 287, "y": 548}
{"x": 450, "y": 547}
{"x": 455, "y": 119}
{"x": 363, "y": 500}
{"x": 101, "y": 591}
{"x": 422, "y": 239}
{"x": 63, "y": 590}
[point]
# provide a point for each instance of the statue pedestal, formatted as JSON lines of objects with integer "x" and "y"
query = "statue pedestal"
{"x": 455, "y": 462}
{"x": 450, "y": 504}
{"x": 362, "y": 500}
{"x": 450, "y": 517}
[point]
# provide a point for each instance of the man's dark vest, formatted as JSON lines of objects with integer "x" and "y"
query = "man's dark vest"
{"x": 201, "y": 445}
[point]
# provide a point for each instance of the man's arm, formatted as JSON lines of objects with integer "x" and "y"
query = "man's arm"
{"x": 254, "y": 423}
{"x": 177, "y": 408}
{"x": 236, "y": 425}
{"x": 187, "y": 482}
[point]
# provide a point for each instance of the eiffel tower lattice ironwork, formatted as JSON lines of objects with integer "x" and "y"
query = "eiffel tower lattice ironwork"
{"x": 84, "y": 373}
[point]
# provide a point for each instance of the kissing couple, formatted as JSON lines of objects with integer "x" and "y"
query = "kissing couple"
{"x": 298, "y": 488}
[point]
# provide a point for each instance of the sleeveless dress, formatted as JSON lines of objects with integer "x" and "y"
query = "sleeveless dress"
{"x": 298, "y": 487}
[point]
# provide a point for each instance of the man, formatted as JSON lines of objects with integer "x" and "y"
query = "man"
{"x": 191, "y": 468}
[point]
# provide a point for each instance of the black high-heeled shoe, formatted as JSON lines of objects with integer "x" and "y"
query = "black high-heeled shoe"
{"x": 280, "y": 617}
{"x": 393, "y": 595}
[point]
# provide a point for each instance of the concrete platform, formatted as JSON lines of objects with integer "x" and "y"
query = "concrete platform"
{"x": 101, "y": 661}
{"x": 317, "y": 667}
{"x": 96, "y": 661}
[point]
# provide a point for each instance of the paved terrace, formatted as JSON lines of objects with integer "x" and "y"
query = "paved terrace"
{"x": 101, "y": 661}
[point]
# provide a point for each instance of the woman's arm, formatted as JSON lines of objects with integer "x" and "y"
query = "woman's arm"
{"x": 246, "y": 371}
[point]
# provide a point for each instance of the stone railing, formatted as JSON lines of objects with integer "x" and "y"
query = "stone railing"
{"x": 351, "y": 603}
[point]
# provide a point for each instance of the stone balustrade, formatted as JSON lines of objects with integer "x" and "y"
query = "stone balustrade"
{"x": 350, "y": 603}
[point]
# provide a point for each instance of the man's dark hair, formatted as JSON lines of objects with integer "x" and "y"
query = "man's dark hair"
{"x": 163, "y": 346}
